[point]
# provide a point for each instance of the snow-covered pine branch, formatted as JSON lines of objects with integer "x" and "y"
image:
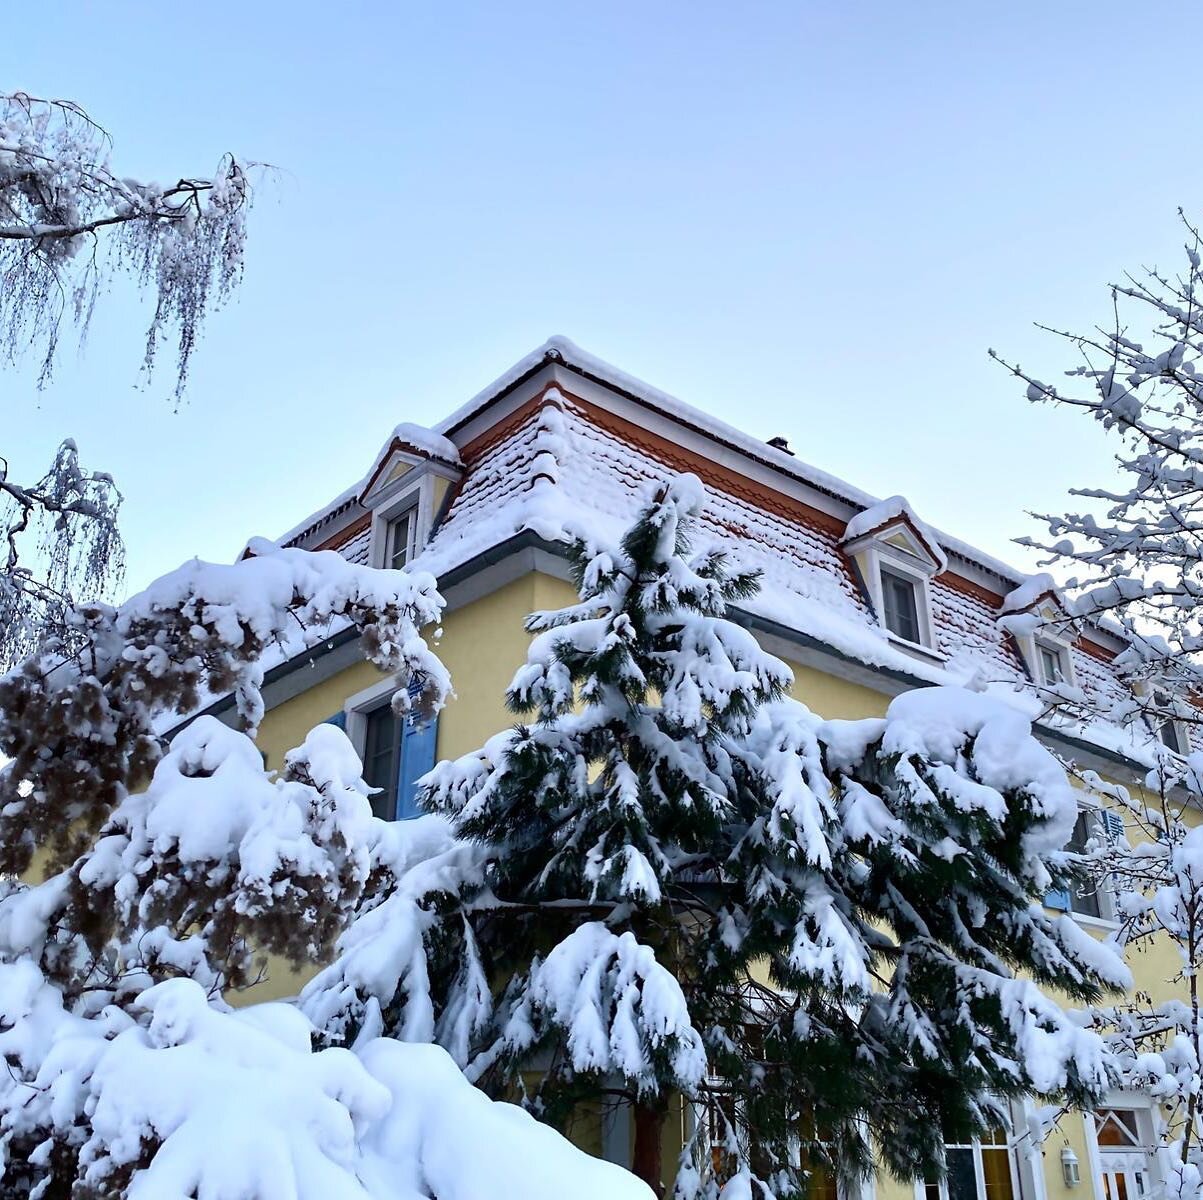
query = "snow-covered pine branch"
{"x": 80, "y": 718}
{"x": 665, "y": 829}
{"x": 127, "y": 1074}
{"x": 69, "y": 221}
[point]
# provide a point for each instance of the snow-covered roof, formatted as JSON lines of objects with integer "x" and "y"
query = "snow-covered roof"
{"x": 562, "y": 466}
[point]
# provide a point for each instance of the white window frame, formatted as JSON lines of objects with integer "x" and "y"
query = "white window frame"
{"x": 1059, "y": 651}
{"x": 415, "y": 499}
{"x": 357, "y": 707}
{"x": 1030, "y": 645}
{"x": 1106, "y": 894}
{"x": 875, "y": 558}
{"x": 1026, "y": 1183}
{"x": 1181, "y": 729}
{"x": 1147, "y": 1120}
{"x": 410, "y": 517}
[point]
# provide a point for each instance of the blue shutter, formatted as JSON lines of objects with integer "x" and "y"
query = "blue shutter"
{"x": 1113, "y": 824}
{"x": 339, "y": 719}
{"x": 1058, "y": 898}
{"x": 418, "y": 739}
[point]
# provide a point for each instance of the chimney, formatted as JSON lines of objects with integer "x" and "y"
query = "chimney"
{"x": 781, "y": 443}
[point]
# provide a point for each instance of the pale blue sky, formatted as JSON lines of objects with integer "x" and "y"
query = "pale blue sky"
{"x": 806, "y": 218}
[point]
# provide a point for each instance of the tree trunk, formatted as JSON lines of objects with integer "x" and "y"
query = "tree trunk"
{"x": 649, "y": 1129}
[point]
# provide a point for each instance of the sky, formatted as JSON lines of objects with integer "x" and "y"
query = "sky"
{"x": 807, "y": 219}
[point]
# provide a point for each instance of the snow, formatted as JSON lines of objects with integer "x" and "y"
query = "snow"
{"x": 1032, "y": 589}
{"x": 416, "y": 437}
{"x": 887, "y": 512}
{"x": 388, "y": 1122}
{"x": 618, "y": 1005}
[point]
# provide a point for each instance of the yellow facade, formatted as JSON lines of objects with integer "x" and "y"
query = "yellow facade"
{"x": 483, "y": 643}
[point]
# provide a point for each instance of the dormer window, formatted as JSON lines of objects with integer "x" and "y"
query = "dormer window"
{"x": 1170, "y": 737}
{"x": 900, "y": 608}
{"x": 1052, "y": 663}
{"x": 1170, "y": 731}
{"x": 896, "y": 555}
{"x": 1040, "y": 621}
{"x": 404, "y": 492}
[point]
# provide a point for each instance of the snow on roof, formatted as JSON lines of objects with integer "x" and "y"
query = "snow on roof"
{"x": 408, "y": 436}
{"x": 563, "y": 477}
{"x": 1031, "y": 590}
{"x": 565, "y": 472}
{"x": 888, "y": 512}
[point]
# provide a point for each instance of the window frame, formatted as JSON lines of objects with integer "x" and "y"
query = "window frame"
{"x": 888, "y": 575}
{"x": 394, "y": 757}
{"x": 1059, "y": 652}
{"x": 938, "y": 1189}
{"x": 409, "y": 516}
{"x": 1106, "y": 917}
{"x": 885, "y": 560}
{"x": 413, "y": 493}
{"x": 1148, "y": 1122}
{"x": 1164, "y": 702}
{"x": 359, "y": 709}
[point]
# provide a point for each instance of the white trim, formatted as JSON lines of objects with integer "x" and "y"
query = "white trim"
{"x": 871, "y": 555}
{"x": 357, "y": 707}
{"x": 1147, "y": 1121}
{"x": 1088, "y": 803}
{"x": 414, "y": 492}
{"x": 1018, "y": 1191}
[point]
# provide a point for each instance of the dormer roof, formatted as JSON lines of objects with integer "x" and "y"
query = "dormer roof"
{"x": 893, "y": 522}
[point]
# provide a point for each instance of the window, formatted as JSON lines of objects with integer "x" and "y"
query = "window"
{"x": 1169, "y": 735}
{"x": 978, "y": 1170}
{"x": 1085, "y": 899}
{"x": 1168, "y": 730}
{"x": 381, "y": 743}
{"x": 1052, "y": 664}
{"x": 1123, "y": 1158}
{"x": 900, "y": 609}
{"x": 400, "y": 540}
{"x": 395, "y": 753}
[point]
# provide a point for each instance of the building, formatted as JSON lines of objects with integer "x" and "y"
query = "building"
{"x": 860, "y": 597}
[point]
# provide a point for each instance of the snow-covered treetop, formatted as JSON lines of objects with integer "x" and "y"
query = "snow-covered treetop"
{"x": 890, "y": 511}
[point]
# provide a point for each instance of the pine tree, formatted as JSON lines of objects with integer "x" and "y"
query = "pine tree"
{"x": 673, "y": 880}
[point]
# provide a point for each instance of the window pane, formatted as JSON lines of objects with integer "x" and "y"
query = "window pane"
{"x": 1116, "y": 1127}
{"x": 1169, "y": 736}
{"x": 1050, "y": 665}
{"x": 901, "y": 612}
{"x": 962, "y": 1178}
{"x": 399, "y": 542}
{"x": 1084, "y": 899}
{"x": 996, "y": 1172}
{"x": 380, "y": 760}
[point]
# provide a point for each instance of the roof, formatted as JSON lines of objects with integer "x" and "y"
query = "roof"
{"x": 543, "y": 453}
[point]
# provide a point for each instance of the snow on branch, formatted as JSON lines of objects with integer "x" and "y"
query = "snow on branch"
{"x": 69, "y": 221}
{"x": 79, "y": 719}
{"x": 71, "y": 515}
{"x": 133, "y": 1104}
